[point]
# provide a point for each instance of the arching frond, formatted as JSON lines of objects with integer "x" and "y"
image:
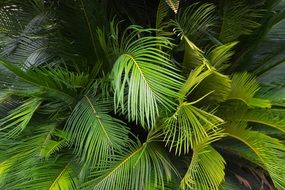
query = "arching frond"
{"x": 137, "y": 167}
{"x": 195, "y": 77}
{"x": 190, "y": 125}
{"x": 17, "y": 120}
{"x": 144, "y": 78}
{"x": 30, "y": 48}
{"x": 238, "y": 150}
{"x": 195, "y": 20}
{"x": 216, "y": 85}
{"x": 265, "y": 55}
{"x": 239, "y": 18}
{"x": 238, "y": 111}
{"x": 220, "y": 56}
{"x": 50, "y": 146}
{"x": 58, "y": 83}
{"x": 42, "y": 141}
{"x": 52, "y": 175}
{"x": 206, "y": 169}
{"x": 94, "y": 133}
{"x": 244, "y": 87}
{"x": 28, "y": 159}
{"x": 269, "y": 150}
{"x": 274, "y": 118}
{"x": 193, "y": 57}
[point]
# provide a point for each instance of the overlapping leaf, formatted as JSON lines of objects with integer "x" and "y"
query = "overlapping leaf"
{"x": 206, "y": 169}
{"x": 144, "y": 78}
{"x": 94, "y": 133}
{"x": 138, "y": 167}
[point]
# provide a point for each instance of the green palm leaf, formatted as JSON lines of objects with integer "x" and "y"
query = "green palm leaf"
{"x": 195, "y": 21}
{"x": 269, "y": 150}
{"x": 27, "y": 161}
{"x": 217, "y": 86}
{"x": 57, "y": 83}
{"x": 51, "y": 175}
{"x": 144, "y": 77}
{"x": 138, "y": 167}
{"x": 17, "y": 120}
{"x": 238, "y": 149}
{"x": 221, "y": 55}
{"x": 244, "y": 87}
{"x": 51, "y": 145}
{"x": 190, "y": 125}
{"x": 95, "y": 134}
{"x": 239, "y": 18}
{"x": 274, "y": 118}
{"x": 206, "y": 170}
{"x": 195, "y": 77}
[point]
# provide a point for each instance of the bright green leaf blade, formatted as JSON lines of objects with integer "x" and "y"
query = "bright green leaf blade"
{"x": 270, "y": 151}
{"x": 95, "y": 134}
{"x": 144, "y": 78}
{"x": 206, "y": 170}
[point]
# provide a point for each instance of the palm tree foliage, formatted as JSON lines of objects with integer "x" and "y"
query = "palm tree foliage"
{"x": 162, "y": 94}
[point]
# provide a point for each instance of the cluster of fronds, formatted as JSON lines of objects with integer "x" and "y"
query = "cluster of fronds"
{"x": 91, "y": 100}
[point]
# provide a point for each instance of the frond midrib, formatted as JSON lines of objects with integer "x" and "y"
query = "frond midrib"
{"x": 251, "y": 147}
{"x": 59, "y": 176}
{"x": 99, "y": 120}
{"x": 122, "y": 163}
{"x": 140, "y": 70}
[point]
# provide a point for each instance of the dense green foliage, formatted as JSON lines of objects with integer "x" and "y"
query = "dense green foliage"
{"x": 142, "y": 95}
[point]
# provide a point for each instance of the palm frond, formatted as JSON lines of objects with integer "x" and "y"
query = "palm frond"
{"x": 217, "y": 86}
{"x": 26, "y": 33}
{"x": 94, "y": 133}
{"x": 59, "y": 83}
{"x": 15, "y": 15}
{"x": 190, "y": 125}
{"x": 244, "y": 87}
{"x": 51, "y": 146}
{"x": 17, "y": 120}
{"x": 239, "y": 150}
{"x": 238, "y": 111}
{"x": 53, "y": 174}
{"x": 137, "y": 167}
{"x": 193, "y": 57}
{"x": 274, "y": 118}
{"x": 264, "y": 55}
{"x": 28, "y": 157}
{"x": 31, "y": 47}
{"x": 220, "y": 56}
{"x": 206, "y": 170}
{"x": 239, "y": 18}
{"x": 269, "y": 150}
{"x": 37, "y": 142}
{"x": 144, "y": 77}
{"x": 195, "y": 77}
{"x": 194, "y": 21}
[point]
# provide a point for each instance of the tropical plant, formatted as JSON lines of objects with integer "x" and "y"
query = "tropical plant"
{"x": 143, "y": 95}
